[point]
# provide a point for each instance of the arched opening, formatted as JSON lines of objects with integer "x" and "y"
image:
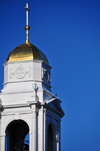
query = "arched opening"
{"x": 16, "y": 132}
{"x": 50, "y": 138}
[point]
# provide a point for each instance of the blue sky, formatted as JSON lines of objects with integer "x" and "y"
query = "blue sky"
{"x": 68, "y": 32}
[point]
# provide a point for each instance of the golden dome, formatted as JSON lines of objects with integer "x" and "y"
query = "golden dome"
{"x": 26, "y": 51}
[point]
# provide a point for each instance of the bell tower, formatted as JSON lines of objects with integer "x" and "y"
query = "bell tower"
{"x": 27, "y": 105}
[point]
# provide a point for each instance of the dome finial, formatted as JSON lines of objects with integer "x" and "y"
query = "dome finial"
{"x": 27, "y": 28}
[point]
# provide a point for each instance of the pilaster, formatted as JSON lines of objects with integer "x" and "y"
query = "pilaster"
{"x": 41, "y": 130}
{"x": 33, "y": 136}
{"x": 2, "y": 140}
{"x": 58, "y": 136}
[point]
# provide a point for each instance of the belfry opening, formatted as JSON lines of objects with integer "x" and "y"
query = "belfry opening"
{"x": 16, "y": 132}
{"x": 50, "y": 138}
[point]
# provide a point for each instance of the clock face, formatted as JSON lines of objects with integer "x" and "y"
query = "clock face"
{"x": 46, "y": 76}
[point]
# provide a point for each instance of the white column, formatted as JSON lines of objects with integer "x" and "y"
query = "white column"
{"x": 41, "y": 130}
{"x": 58, "y": 136}
{"x": 45, "y": 134}
{"x": 33, "y": 129}
{"x": 55, "y": 141}
{"x": 30, "y": 141}
{"x": 0, "y": 133}
{"x": 58, "y": 142}
{"x": 2, "y": 140}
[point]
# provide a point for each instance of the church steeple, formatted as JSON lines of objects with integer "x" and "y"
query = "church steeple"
{"x": 27, "y": 105}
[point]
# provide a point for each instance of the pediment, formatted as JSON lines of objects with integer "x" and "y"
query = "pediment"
{"x": 54, "y": 104}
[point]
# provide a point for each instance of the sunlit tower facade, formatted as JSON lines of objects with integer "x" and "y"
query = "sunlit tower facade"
{"x": 27, "y": 105}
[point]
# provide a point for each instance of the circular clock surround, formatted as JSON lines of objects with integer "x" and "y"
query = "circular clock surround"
{"x": 47, "y": 76}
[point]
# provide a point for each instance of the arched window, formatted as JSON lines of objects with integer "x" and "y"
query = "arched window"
{"x": 16, "y": 132}
{"x": 50, "y": 138}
